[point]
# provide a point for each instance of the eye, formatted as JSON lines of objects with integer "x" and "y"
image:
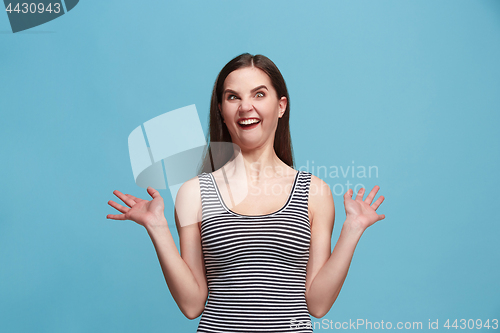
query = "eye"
{"x": 231, "y": 97}
{"x": 259, "y": 94}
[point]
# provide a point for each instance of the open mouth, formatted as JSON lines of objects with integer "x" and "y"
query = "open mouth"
{"x": 248, "y": 123}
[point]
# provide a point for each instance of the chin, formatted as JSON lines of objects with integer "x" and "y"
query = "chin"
{"x": 249, "y": 144}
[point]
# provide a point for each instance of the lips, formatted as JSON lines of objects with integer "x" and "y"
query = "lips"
{"x": 248, "y": 123}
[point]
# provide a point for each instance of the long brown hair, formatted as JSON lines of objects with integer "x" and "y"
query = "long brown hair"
{"x": 216, "y": 155}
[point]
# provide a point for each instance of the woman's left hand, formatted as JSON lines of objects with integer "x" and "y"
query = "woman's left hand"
{"x": 359, "y": 213}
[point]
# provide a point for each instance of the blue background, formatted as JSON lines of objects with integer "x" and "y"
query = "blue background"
{"x": 411, "y": 87}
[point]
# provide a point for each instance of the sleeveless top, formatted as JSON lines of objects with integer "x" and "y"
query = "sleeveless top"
{"x": 255, "y": 264}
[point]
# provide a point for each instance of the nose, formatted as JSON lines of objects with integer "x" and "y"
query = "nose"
{"x": 245, "y": 105}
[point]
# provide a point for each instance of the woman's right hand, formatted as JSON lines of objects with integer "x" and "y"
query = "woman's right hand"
{"x": 143, "y": 212}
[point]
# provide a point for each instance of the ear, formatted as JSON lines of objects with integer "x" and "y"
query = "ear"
{"x": 282, "y": 106}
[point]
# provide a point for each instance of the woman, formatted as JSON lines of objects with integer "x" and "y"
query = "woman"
{"x": 255, "y": 232}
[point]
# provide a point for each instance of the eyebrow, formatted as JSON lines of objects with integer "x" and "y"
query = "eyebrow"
{"x": 253, "y": 90}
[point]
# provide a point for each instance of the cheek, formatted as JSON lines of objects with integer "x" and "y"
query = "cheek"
{"x": 227, "y": 110}
{"x": 270, "y": 110}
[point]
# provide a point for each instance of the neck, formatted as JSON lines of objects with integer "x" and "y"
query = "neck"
{"x": 258, "y": 163}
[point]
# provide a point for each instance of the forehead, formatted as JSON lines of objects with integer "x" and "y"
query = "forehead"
{"x": 247, "y": 78}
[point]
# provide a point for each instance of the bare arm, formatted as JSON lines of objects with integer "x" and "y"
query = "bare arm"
{"x": 327, "y": 283}
{"x": 188, "y": 287}
{"x": 326, "y": 272}
{"x": 184, "y": 274}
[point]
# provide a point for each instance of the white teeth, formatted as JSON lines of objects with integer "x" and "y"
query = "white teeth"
{"x": 248, "y": 121}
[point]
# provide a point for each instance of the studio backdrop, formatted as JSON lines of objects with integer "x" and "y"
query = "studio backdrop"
{"x": 400, "y": 94}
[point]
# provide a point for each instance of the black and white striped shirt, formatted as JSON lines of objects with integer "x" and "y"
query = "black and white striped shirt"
{"x": 255, "y": 264}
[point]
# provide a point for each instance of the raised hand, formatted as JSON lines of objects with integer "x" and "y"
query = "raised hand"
{"x": 362, "y": 213}
{"x": 143, "y": 212}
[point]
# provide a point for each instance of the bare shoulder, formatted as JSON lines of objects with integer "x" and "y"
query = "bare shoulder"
{"x": 321, "y": 205}
{"x": 191, "y": 186}
{"x": 188, "y": 202}
{"x": 190, "y": 190}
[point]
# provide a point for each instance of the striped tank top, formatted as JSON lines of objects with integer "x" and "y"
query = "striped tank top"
{"x": 255, "y": 264}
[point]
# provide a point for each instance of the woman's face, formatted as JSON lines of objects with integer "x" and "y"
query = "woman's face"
{"x": 250, "y": 107}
